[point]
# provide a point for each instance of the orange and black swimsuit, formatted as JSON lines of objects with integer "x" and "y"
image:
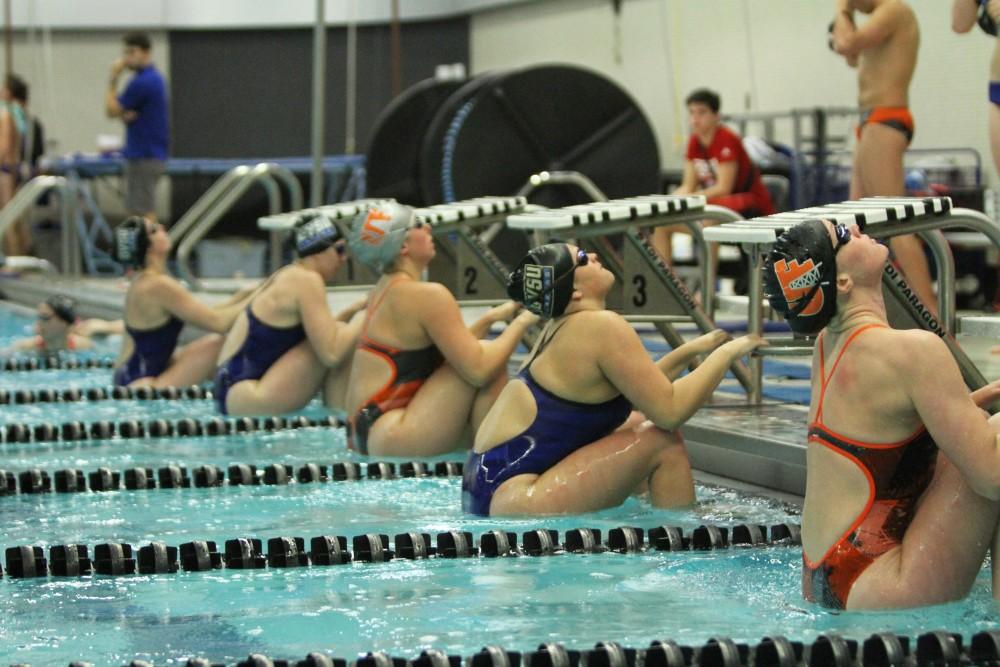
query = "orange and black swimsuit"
{"x": 898, "y": 118}
{"x": 898, "y": 473}
{"x": 410, "y": 369}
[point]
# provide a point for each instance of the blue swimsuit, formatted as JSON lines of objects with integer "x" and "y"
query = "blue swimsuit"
{"x": 263, "y": 346}
{"x": 560, "y": 428}
{"x": 151, "y": 353}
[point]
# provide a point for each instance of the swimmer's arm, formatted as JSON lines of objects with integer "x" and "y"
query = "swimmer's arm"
{"x": 963, "y": 15}
{"x": 325, "y": 333}
{"x": 184, "y": 305}
{"x": 667, "y": 404}
{"x": 241, "y": 295}
{"x": 689, "y": 181}
{"x": 25, "y": 344}
{"x": 675, "y": 361}
{"x": 97, "y": 327}
{"x": 946, "y": 408}
{"x": 502, "y": 313}
{"x": 81, "y": 342}
{"x": 5, "y": 132}
{"x": 476, "y": 361}
{"x": 849, "y": 40}
{"x": 725, "y": 181}
{"x": 348, "y": 313}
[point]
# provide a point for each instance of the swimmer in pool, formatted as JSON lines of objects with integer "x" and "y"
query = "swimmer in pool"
{"x": 157, "y": 307}
{"x": 421, "y": 380}
{"x": 590, "y": 419}
{"x": 903, "y": 465}
{"x": 286, "y": 340}
{"x": 55, "y": 328}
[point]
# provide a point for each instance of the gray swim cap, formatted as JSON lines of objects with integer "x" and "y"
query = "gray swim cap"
{"x": 377, "y": 234}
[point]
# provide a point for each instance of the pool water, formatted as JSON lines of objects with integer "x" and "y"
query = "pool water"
{"x": 400, "y": 607}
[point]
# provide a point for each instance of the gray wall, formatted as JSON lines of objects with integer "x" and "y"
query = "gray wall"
{"x": 248, "y": 93}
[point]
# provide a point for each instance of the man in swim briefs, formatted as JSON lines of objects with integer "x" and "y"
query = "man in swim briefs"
{"x": 884, "y": 51}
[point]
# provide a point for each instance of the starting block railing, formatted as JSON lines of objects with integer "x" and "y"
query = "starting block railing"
{"x": 464, "y": 263}
{"x": 881, "y": 218}
{"x": 651, "y": 291}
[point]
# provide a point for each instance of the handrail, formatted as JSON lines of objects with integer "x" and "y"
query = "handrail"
{"x": 206, "y": 201}
{"x": 27, "y": 196}
{"x": 265, "y": 173}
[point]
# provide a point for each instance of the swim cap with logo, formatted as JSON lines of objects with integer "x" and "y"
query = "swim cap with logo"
{"x": 131, "y": 242}
{"x": 377, "y": 234}
{"x": 542, "y": 281}
{"x": 313, "y": 233}
{"x": 800, "y": 277}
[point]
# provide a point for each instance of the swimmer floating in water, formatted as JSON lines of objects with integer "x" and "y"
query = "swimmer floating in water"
{"x": 563, "y": 436}
{"x": 156, "y": 308}
{"x": 286, "y": 341}
{"x": 55, "y": 328}
{"x": 421, "y": 380}
{"x": 902, "y": 465}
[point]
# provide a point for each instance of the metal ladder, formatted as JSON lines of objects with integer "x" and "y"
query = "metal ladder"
{"x": 205, "y": 213}
{"x": 28, "y": 195}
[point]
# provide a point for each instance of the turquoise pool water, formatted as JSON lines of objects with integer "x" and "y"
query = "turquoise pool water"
{"x": 400, "y": 607}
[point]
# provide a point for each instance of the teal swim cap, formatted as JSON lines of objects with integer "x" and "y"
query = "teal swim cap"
{"x": 377, "y": 234}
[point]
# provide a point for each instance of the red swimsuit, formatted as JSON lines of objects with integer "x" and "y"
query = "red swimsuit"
{"x": 898, "y": 473}
{"x": 410, "y": 369}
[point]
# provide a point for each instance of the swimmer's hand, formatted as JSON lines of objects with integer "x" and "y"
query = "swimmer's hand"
{"x": 526, "y": 318}
{"x": 707, "y": 342}
{"x": 505, "y": 312}
{"x": 352, "y": 309}
{"x": 986, "y": 395}
{"x": 993, "y": 10}
{"x": 744, "y": 345}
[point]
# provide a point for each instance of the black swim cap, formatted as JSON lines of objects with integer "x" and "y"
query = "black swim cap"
{"x": 314, "y": 233}
{"x": 800, "y": 277}
{"x": 63, "y": 306}
{"x": 542, "y": 281}
{"x": 984, "y": 20}
{"x": 131, "y": 242}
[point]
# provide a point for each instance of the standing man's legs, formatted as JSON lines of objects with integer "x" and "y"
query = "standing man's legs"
{"x": 878, "y": 171}
{"x": 141, "y": 177}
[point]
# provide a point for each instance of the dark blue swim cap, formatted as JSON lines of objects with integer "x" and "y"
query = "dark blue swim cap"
{"x": 800, "y": 277}
{"x": 314, "y": 233}
{"x": 131, "y": 242}
{"x": 63, "y": 306}
{"x": 543, "y": 281}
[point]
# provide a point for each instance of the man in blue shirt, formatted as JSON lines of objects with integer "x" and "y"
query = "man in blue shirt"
{"x": 143, "y": 108}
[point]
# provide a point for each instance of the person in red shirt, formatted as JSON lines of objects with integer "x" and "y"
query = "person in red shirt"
{"x": 717, "y": 166}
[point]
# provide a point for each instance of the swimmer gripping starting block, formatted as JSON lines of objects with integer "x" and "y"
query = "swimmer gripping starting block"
{"x": 464, "y": 262}
{"x": 882, "y": 218}
{"x": 651, "y": 291}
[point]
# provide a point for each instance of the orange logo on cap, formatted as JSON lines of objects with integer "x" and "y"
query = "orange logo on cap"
{"x": 372, "y": 233}
{"x": 796, "y": 281}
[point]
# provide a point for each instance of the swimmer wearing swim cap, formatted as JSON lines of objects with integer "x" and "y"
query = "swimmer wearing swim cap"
{"x": 157, "y": 307}
{"x": 902, "y": 466}
{"x": 421, "y": 379}
{"x": 286, "y": 345}
{"x": 590, "y": 419}
{"x": 56, "y": 318}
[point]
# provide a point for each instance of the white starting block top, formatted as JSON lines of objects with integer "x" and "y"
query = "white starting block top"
{"x": 631, "y": 208}
{"x": 469, "y": 209}
{"x": 874, "y": 211}
{"x": 342, "y": 211}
